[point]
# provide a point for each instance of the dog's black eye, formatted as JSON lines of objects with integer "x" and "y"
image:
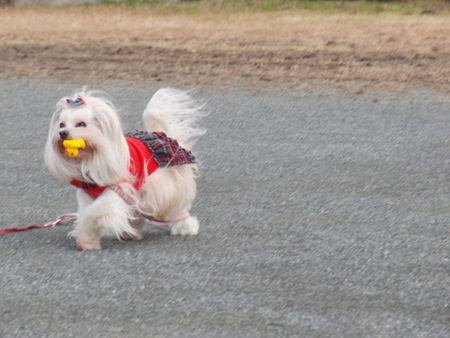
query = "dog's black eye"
{"x": 62, "y": 125}
{"x": 80, "y": 124}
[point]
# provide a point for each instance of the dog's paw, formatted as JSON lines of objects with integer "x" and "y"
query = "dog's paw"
{"x": 88, "y": 246}
{"x": 188, "y": 227}
{"x": 126, "y": 236}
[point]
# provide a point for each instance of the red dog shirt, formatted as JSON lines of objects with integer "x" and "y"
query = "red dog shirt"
{"x": 148, "y": 152}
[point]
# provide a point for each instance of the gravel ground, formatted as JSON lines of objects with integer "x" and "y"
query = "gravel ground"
{"x": 321, "y": 215}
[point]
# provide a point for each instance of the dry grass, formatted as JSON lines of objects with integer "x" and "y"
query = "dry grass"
{"x": 280, "y": 49}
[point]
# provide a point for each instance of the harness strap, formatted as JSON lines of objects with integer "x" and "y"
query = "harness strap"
{"x": 131, "y": 200}
{"x": 165, "y": 224}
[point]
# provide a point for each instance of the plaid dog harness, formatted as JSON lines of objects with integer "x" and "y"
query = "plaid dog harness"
{"x": 148, "y": 152}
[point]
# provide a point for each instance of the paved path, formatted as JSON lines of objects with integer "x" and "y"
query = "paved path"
{"x": 321, "y": 215}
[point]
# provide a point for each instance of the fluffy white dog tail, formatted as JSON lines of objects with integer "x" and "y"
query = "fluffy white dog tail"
{"x": 175, "y": 113}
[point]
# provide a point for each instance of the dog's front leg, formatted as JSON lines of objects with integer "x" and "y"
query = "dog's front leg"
{"x": 84, "y": 232}
{"x": 108, "y": 215}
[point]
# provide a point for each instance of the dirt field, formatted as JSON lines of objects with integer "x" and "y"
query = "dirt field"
{"x": 276, "y": 49}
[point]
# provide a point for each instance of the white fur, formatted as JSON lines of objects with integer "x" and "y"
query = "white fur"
{"x": 105, "y": 161}
{"x": 175, "y": 113}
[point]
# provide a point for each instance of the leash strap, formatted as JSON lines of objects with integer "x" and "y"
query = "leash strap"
{"x": 61, "y": 220}
{"x": 68, "y": 218}
{"x": 131, "y": 200}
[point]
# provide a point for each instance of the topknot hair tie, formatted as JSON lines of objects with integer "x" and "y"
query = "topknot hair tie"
{"x": 76, "y": 102}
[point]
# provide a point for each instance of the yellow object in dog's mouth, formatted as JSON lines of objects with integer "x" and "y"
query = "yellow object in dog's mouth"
{"x": 72, "y": 147}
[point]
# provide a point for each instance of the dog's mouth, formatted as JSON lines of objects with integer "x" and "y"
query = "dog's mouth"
{"x": 60, "y": 147}
{"x": 80, "y": 152}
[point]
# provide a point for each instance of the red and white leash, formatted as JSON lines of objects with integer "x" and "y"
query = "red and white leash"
{"x": 131, "y": 200}
{"x": 61, "y": 220}
{"x": 68, "y": 218}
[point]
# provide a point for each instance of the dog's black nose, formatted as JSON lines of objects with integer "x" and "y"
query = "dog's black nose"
{"x": 64, "y": 134}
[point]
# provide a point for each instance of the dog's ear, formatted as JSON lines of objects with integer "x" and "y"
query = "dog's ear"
{"x": 107, "y": 121}
{"x": 54, "y": 121}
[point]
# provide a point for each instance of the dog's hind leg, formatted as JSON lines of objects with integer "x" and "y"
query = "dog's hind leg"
{"x": 137, "y": 224}
{"x": 187, "y": 227}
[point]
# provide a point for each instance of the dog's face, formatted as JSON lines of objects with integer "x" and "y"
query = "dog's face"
{"x": 78, "y": 124}
{"x": 94, "y": 120}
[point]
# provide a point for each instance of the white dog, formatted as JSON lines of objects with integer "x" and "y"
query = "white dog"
{"x": 124, "y": 180}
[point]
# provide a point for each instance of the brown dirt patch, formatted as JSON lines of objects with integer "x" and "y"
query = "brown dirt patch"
{"x": 278, "y": 49}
